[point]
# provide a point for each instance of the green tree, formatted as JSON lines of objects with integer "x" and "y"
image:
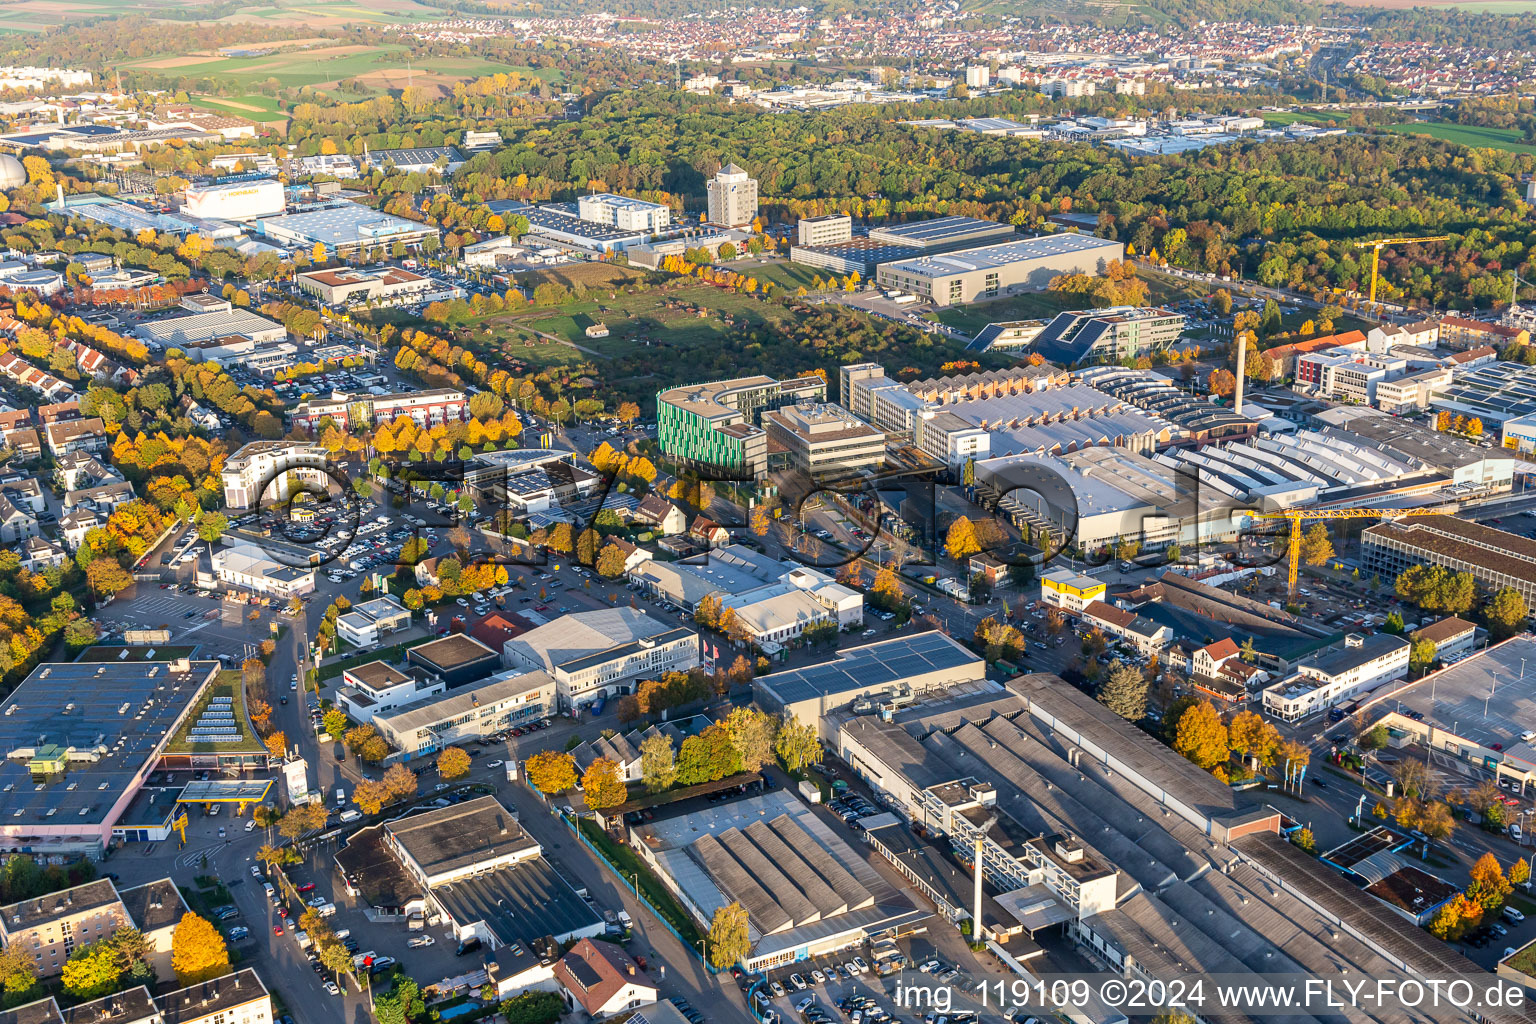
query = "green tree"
{"x": 752, "y": 733}
{"x": 796, "y": 744}
{"x": 1394, "y": 624}
{"x": 401, "y": 1005}
{"x": 335, "y": 722}
{"x": 729, "y": 940}
{"x": 533, "y": 1007}
{"x": 1124, "y": 691}
{"x": 1316, "y": 545}
{"x": 1505, "y": 614}
{"x": 92, "y": 971}
{"x": 211, "y": 526}
{"x": 1421, "y": 654}
{"x": 18, "y": 975}
{"x": 658, "y": 763}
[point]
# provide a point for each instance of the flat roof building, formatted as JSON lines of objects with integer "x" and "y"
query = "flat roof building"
{"x": 442, "y": 160}
{"x": 1358, "y": 665}
{"x": 200, "y": 328}
{"x": 598, "y": 654}
{"x": 343, "y": 228}
{"x": 943, "y": 234}
{"x": 456, "y": 659}
{"x": 862, "y": 256}
{"x": 471, "y": 712}
{"x": 824, "y": 230}
{"x": 624, "y": 213}
{"x": 79, "y": 738}
{"x": 1027, "y": 264}
{"x": 717, "y": 424}
{"x": 900, "y": 668}
{"x": 824, "y": 440}
{"x": 347, "y": 286}
{"x": 732, "y": 197}
{"x": 1496, "y": 559}
{"x": 1087, "y": 336}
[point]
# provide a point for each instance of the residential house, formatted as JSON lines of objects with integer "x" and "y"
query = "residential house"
{"x": 38, "y": 554}
{"x": 708, "y": 532}
{"x": 661, "y": 515}
{"x": 16, "y": 524}
{"x": 603, "y": 979}
{"x": 65, "y": 436}
{"x": 54, "y": 926}
{"x": 1218, "y": 670}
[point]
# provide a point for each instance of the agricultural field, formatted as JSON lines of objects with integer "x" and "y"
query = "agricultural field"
{"x": 1473, "y": 136}
{"x": 262, "y": 109}
{"x": 1285, "y": 117}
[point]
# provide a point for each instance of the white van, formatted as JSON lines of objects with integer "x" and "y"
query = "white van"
{"x": 351, "y": 814}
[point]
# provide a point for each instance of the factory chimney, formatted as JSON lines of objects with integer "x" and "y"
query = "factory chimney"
{"x": 1242, "y": 359}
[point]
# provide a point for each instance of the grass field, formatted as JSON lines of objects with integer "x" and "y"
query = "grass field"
{"x": 261, "y": 109}
{"x": 1506, "y": 139}
{"x": 668, "y": 318}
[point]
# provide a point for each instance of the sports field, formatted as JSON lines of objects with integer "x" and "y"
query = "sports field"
{"x": 1307, "y": 116}
{"x": 1506, "y": 139}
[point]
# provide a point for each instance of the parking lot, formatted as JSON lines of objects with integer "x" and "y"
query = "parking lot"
{"x": 216, "y": 626}
{"x": 845, "y": 989}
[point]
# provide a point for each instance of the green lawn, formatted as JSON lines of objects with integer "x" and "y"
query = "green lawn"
{"x": 307, "y": 67}
{"x": 266, "y": 106}
{"x": 670, "y": 316}
{"x": 787, "y": 276}
{"x": 1506, "y": 139}
{"x": 228, "y": 684}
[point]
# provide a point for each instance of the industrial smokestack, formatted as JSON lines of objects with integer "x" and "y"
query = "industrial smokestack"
{"x": 60, "y": 185}
{"x": 1242, "y": 359}
{"x": 976, "y": 909}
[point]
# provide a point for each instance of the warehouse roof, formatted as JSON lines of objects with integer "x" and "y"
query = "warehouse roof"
{"x": 568, "y": 640}
{"x": 521, "y": 903}
{"x": 456, "y": 838}
{"x": 346, "y": 223}
{"x": 861, "y": 669}
{"x": 428, "y": 711}
{"x": 198, "y": 327}
{"x": 989, "y": 257}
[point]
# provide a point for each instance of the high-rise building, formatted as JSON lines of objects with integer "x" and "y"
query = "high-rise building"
{"x": 827, "y": 230}
{"x": 977, "y": 76}
{"x": 732, "y": 197}
{"x": 718, "y": 424}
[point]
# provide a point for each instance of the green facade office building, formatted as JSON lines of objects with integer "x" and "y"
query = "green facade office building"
{"x": 717, "y": 424}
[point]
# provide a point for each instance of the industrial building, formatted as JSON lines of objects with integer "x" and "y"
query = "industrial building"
{"x": 561, "y": 225}
{"x": 732, "y": 199}
{"x": 237, "y": 201}
{"x": 824, "y": 440}
{"x": 468, "y": 714}
{"x": 456, "y": 659}
{"x": 343, "y": 229}
{"x": 1452, "y": 711}
{"x": 991, "y": 271}
{"x": 806, "y": 892}
{"x": 894, "y": 670}
{"x": 862, "y": 256}
{"x": 473, "y": 864}
{"x": 1493, "y": 393}
{"x": 717, "y": 424}
{"x": 442, "y": 160}
{"x": 1496, "y": 559}
{"x": 773, "y": 601}
{"x": 368, "y": 622}
{"x": 1201, "y": 421}
{"x": 595, "y": 655}
{"x": 200, "y": 328}
{"x": 943, "y": 234}
{"x": 75, "y": 757}
{"x": 248, "y": 566}
{"x": 1087, "y": 336}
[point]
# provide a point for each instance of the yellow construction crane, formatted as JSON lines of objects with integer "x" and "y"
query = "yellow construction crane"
{"x": 1296, "y": 516}
{"x": 1376, "y": 248}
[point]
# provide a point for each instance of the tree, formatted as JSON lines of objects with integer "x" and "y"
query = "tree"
{"x": 1505, "y": 614}
{"x": 1437, "y": 822}
{"x": 276, "y": 743}
{"x": 533, "y": 1007}
{"x": 106, "y": 576}
{"x": 1519, "y": 872}
{"x": 92, "y": 971}
{"x": 658, "y": 763}
{"x": 453, "y": 763}
{"x": 551, "y": 772}
{"x": 272, "y": 856}
{"x": 796, "y": 744}
{"x": 601, "y": 786}
{"x": 18, "y": 975}
{"x": 1201, "y": 737}
{"x": 1249, "y": 735}
{"x": 1421, "y": 654}
{"x": 729, "y": 940}
{"x": 198, "y": 952}
{"x": 400, "y": 781}
{"x": 1222, "y": 383}
{"x": 610, "y": 561}
{"x": 1447, "y": 924}
{"x": 1124, "y": 692}
{"x": 752, "y": 733}
{"x": 707, "y": 611}
{"x": 1489, "y": 886}
{"x": 886, "y": 590}
{"x": 335, "y": 722}
{"x": 370, "y": 796}
{"x": 1415, "y": 778}
{"x": 961, "y": 541}
{"x": 402, "y": 1005}
{"x": 1304, "y": 840}
{"x": 1316, "y": 545}
{"x": 211, "y": 526}
{"x": 1374, "y": 738}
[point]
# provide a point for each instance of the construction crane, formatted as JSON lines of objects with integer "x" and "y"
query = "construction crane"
{"x": 1297, "y": 516}
{"x": 1376, "y": 248}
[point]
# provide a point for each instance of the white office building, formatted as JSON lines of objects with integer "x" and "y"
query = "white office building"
{"x": 624, "y": 213}
{"x": 1342, "y": 673}
{"x": 272, "y": 471}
